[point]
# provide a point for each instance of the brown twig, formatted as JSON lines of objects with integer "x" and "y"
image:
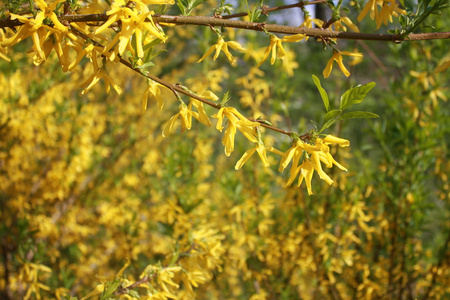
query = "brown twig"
{"x": 273, "y": 28}
{"x": 179, "y": 89}
{"x": 124, "y": 290}
{"x": 275, "y": 8}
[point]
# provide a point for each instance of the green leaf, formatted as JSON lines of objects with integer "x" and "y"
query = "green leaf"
{"x": 330, "y": 118}
{"x": 110, "y": 289}
{"x": 322, "y": 92}
{"x": 225, "y": 99}
{"x": 358, "y": 115}
{"x": 355, "y": 95}
{"x": 182, "y": 5}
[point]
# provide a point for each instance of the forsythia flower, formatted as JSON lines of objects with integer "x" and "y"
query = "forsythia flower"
{"x": 308, "y": 23}
{"x": 261, "y": 152}
{"x": 201, "y": 114}
{"x": 235, "y": 121}
{"x": 310, "y": 157}
{"x": 94, "y": 78}
{"x": 389, "y": 8}
{"x": 186, "y": 120}
{"x": 47, "y": 11}
{"x": 442, "y": 66}
{"x": 275, "y": 43}
{"x": 423, "y": 78}
{"x": 346, "y": 21}
{"x": 153, "y": 91}
{"x": 337, "y": 56}
{"x": 223, "y": 46}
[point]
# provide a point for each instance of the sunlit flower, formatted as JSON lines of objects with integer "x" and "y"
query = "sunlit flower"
{"x": 389, "y": 8}
{"x": 261, "y": 150}
{"x": 47, "y": 11}
{"x": 135, "y": 25}
{"x": 347, "y": 22}
{"x": 185, "y": 116}
{"x": 308, "y": 23}
{"x": 331, "y": 139}
{"x": 221, "y": 45}
{"x": 94, "y": 78}
{"x": 276, "y": 43}
{"x": 337, "y": 56}
{"x": 307, "y": 158}
{"x": 153, "y": 91}
{"x": 235, "y": 121}
{"x": 201, "y": 114}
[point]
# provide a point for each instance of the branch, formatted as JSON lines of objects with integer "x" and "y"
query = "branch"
{"x": 124, "y": 290}
{"x": 273, "y": 28}
{"x": 177, "y": 88}
{"x": 266, "y": 10}
{"x": 312, "y": 32}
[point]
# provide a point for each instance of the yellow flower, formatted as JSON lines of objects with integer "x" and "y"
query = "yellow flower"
{"x": 438, "y": 93}
{"x": 346, "y": 20}
{"x": 331, "y": 139}
{"x": 389, "y": 8}
{"x": 89, "y": 51}
{"x": 201, "y": 114}
{"x": 275, "y": 43}
{"x": 186, "y": 120}
{"x": 307, "y": 158}
{"x": 337, "y": 56}
{"x": 442, "y": 66}
{"x": 235, "y": 121}
{"x": 261, "y": 152}
{"x": 47, "y": 11}
{"x": 38, "y": 35}
{"x": 222, "y": 46}
{"x": 94, "y": 78}
{"x": 308, "y": 23}
{"x": 423, "y": 78}
{"x": 153, "y": 91}
{"x": 137, "y": 25}
{"x": 306, "y": 173}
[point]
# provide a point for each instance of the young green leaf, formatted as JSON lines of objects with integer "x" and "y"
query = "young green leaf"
{"x": 355, "y": 95}
{"x": 322, "y": 92}
{"x": 330, "y": 118}
{"x": 358, "y": 115}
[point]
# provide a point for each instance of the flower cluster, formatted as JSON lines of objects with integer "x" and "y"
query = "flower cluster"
{"x": 307, "y": 158}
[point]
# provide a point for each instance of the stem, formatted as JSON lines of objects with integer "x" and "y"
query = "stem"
{"x": 275, "y": 8}
{"x": 273, "y": 28}
{"x": 177, "y": 88}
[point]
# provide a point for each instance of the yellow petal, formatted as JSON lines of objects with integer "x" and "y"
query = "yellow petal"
{"x": 244, "y": 158}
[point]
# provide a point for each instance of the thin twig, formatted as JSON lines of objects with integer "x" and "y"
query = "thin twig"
{"x": 275, "y": 8}
{"x": 273, "y": 28}
{"x": 177, "y": 88}
{"x": 124, "y": 290}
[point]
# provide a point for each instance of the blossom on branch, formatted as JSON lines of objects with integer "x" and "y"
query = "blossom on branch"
{"x": 222, "y": 46}
{"x": 235, "y": 121}
{"x": 307, "y": 158}
{"x": 153, "y": 91}
{"x": 337, "y": 56}
{"x": 389, "y": 9}
{"x": 100, "y": 73}
{"x": 276, "y": 42}
{"x": 185, "y": 116}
